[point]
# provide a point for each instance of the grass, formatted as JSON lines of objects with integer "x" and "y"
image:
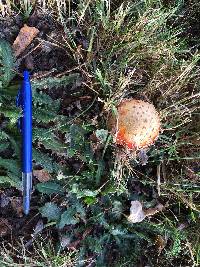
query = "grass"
{"x": 44, "y": 255}
{"x": 121, "y": 50}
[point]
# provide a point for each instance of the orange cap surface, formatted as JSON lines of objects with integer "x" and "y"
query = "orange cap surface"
{"x": 137, "y": 124}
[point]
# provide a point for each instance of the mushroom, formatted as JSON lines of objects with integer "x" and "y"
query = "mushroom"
{"x": 136, "y": 125}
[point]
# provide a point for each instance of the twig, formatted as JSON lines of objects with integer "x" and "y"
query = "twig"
{"x": 158, "y": 178}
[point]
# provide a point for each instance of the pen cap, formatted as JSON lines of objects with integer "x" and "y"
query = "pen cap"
{"x": 26, "y": 123}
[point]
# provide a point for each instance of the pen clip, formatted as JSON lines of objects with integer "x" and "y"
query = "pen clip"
{"x": 19, "y": 98}
{"x": 19, "y": 104}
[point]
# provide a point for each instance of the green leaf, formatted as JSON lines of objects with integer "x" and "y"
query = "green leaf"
{"x": 6, "y": 180}
{"x": 118, "y": 231}
{"x": 3, "y": 146}
{"x": 83, "y": 193}
{"x": 80, "y": 210}
{"x": 48, "y": 139}
{"x": 51, "y": 211}
{"x": 10, "y": 165}
{"x": 56, "y": 82}
{"x": 77, "y": 137}
{"x": 50, "y": 188}
{"x": 11, "y": 112}
{"x": 45, "y": 161}
{"x": 6, "y": 63}
{"x": 11, "y": 180}
{"x": 90, "y": 200}
{"x": 100, "y": 170}
{"x": 68, "y": 217}
{"x": 117, "y": 209}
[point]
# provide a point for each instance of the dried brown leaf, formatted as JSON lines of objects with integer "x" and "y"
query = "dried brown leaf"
{"x": 42, "y": 175}
{"x": 36, "y": 231}
{"x": 160, "y": 243}
{"x": 5, "y": 227}
{"x": 191, "y": 174}
{"x": 24, "y": 39}
{"x": 16, "y": 203}
{"x": 153, "y": 211}
{"x": 137, "y": 214}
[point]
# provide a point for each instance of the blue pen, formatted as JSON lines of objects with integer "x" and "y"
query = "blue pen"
{"x": 24, "y": 100}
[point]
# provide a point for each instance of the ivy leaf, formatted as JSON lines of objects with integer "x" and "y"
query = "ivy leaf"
{"x": 49, "y": 188}
{"x": 51, "y": 211}
{"x": 68, "y": 217}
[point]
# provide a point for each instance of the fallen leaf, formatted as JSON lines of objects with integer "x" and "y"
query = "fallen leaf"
{"x": 153, "y": 211}
{"x": 73, "y": 245}
{"x": 191, "y": 174}
{"x": 16, "y": 203}
{"x": 5, "y": 227}
{"x": 36, "y": 231}
{"x": 38, "y": 228}
{"x": 64, "y": 241}
{"x": 42, "y": 175}
{"x": 137, "y": 214}
{"x": 160, "y": 243}
{"x": 24, "y": 38}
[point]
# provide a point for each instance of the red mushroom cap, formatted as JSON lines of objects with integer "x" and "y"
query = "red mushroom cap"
{"x": 137, "y": 124}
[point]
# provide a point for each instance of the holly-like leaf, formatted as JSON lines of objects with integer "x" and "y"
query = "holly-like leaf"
{"x": 49, "y": 188}
{"x": 68, "y": 217}
{"x": 51, "y": 211}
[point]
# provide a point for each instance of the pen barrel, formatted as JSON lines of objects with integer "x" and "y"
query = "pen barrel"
{"x": 27, "y": 188}
{"x": 26, "y": 124}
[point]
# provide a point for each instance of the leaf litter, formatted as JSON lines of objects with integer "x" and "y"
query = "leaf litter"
{"x": 138, "y": 214}
{"x": 42, "y": 175}
{"x": 24, "y": 39}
